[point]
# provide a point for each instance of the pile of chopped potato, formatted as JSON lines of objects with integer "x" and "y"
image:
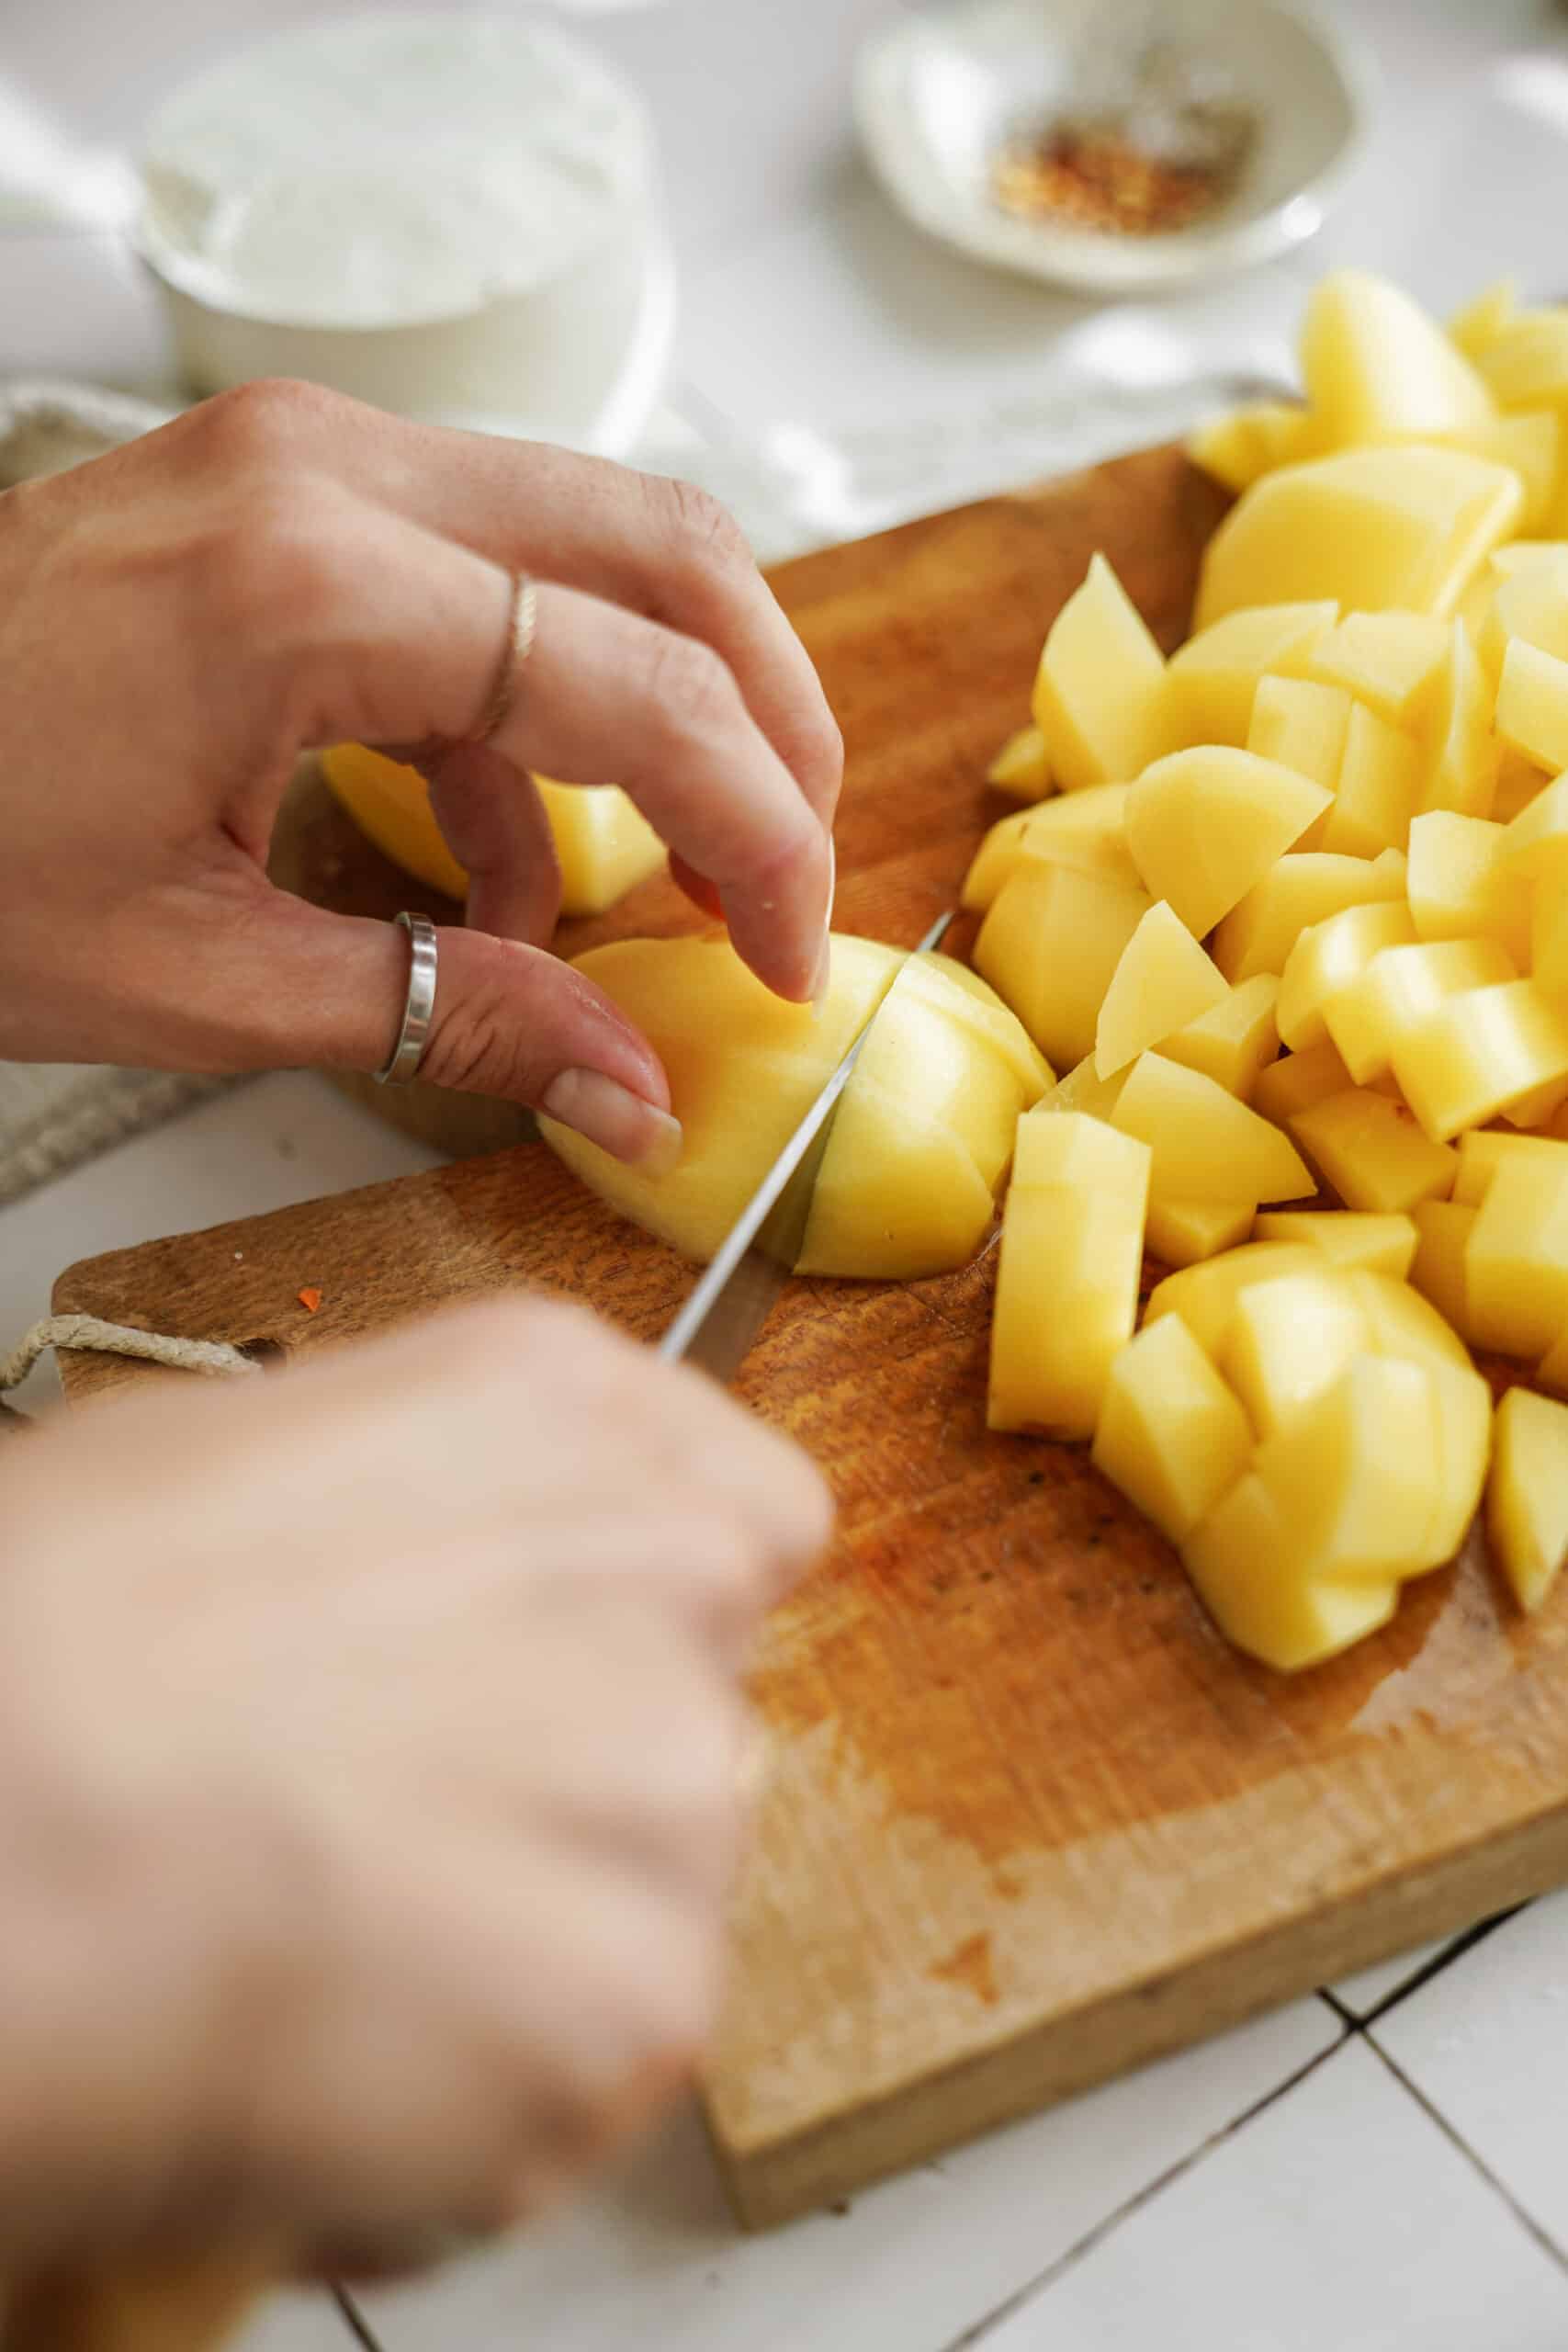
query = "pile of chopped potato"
{"x": 1290, "y": 910}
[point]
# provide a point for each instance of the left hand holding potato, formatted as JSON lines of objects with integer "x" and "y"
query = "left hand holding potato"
{"x": 281, "y": 568}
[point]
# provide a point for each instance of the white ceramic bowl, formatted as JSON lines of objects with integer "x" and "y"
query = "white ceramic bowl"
{"x": 941, "y": 88}
{"x": 564, "y": 335}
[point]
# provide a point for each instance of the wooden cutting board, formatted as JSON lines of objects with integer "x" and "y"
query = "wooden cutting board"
{"x": 1028, "y": 1821}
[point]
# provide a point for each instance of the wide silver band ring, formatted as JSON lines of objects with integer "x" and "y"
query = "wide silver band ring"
{"x": 403, "y": 1064}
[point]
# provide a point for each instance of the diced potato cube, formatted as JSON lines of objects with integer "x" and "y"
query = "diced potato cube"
{"x": 1533, "y": 604}
{"x": 1464, "y": 1447}
{"x": 1462, "y": 770}
{"x": 1289, "y": 1340}
{"x": 1380, "y": 1244}
{"x": 1516, "y": 1260}
{"x": 1527, "y": 1495}
{"x": 1242, "y": 1560}
{"x": 1021, "y": 766}
{"x": 1213, "y": 678}
{"x": 1379, "y": 777}
{"x": 1373, "y": 1153}
{"x": 1531, "y": 442}
{"x": 1375, "y": 366}
{"x": 1206, "y": 1144}
{"x": 1234, "y": 1043}
{"x": 1404, "y": 1324}
{"x": 1481, "y": 322}
{"x": 1326, "y": 959}
{"x": 1552, "y": 1372}
{"x": 1171, "y": 1436}
{"x": 1526, "y": 362}
{"x": 1462, "y": 1064}
{"x": 1302, "y": 726}
{"x": 1368, "y": 1017}
{"x": 1084, "y": 1089}
{"x": 1204, "y": 825}
{"x": 1205, "y": 1295}
{"x": 1100, "y": 696}
{"x": 1438, "y": 1270}
{"x": 1185, "y": 1233}
{"x": 1375, "y": 529}
{"x": 1163, "y": 981}
{"x": 1049, "y": 946}
{"x": 1461, "y": 886}
{"x": 1531, "y": 711}
{"x": 1297, "y": 893}
{"x": 1549, "y": 935}
{"x": 1297, "y": 1080}
{"x": 1251, "y": 440}
{"x": 1536, "y": 844}
{"x": 1519, "y": 782}
{"x": 1083, "y": 828}
{"x": 1353, "y": 1472}
{"x": 1481, "y": 1155}
{"x": 1071, "y": 1253}
{"x": 1390, "y": 661}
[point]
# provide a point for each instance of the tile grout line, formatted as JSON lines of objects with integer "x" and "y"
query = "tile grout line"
{"x": 1456, "y": 2141}
{"x": 1038, "y": 2286}
{"x": 1435, "y": 1967}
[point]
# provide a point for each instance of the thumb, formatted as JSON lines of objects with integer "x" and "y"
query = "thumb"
{"x": 307, "y": 989}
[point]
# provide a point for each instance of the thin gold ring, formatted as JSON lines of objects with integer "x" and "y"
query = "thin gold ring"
{"x": 522, "y": 625}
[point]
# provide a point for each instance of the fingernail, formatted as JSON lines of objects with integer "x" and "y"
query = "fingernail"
{"x": 824, "y": 979}
{"x": 614, "y": 1118}
{"x": 825, "y": 962}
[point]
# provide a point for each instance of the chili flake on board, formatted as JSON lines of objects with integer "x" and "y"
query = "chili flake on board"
{"x": 310, "y": 1298}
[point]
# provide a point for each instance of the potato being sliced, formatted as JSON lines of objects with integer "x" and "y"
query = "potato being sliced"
{"x": 605, "y": 846}
{"x": 1376, "y": 529}
{"x": 1527, "y": 1496}
{"x": 1205, "y": 825}
{"x": 923, "y": 1136}
{"x": 1163, "y": 981}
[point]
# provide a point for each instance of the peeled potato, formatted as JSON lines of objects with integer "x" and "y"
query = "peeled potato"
{"x": 605, "y": 846}
{"x": 1374, "y": 528}
{"x": 923, "y": 1137}
{"x": 1376, "y": 367}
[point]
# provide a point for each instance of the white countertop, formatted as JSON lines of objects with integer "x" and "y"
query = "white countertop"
{"x": 1376, "y": 2169}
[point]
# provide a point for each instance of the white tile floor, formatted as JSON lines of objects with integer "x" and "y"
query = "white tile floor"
{"x": 1342, "y": 2217}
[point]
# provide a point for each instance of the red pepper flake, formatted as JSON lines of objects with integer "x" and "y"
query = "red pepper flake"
{"x": 310, "y": 1298}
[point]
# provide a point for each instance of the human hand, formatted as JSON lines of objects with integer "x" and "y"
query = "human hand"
{"x": 282, "y": 569}
{"x": 369, "y": 1785}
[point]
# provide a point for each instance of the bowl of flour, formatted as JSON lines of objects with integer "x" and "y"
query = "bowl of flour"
{"x": 455, "y": 216}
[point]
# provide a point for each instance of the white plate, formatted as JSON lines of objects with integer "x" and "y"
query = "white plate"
{"x": 939, "y": 90}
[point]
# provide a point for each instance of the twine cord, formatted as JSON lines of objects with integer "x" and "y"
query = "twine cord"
{"x": 212, "y": 1359}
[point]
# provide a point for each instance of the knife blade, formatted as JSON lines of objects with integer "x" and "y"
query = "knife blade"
{"x": 719, "y": 1321}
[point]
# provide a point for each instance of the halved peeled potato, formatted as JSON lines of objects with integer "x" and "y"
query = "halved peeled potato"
{"x": 605, "y": 845}
{"x": 923, "y": 1137}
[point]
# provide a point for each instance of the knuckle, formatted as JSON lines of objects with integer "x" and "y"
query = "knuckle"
{"x": 688, "y": 687}
{"x": 263, "y": 422}
{"x": 704, "y": 529}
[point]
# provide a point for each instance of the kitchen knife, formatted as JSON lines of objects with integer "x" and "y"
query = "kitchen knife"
{"x": 196, "y": 2306}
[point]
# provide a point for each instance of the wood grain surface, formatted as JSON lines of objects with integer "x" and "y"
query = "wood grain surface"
{"x": 1027, "y": 1820}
